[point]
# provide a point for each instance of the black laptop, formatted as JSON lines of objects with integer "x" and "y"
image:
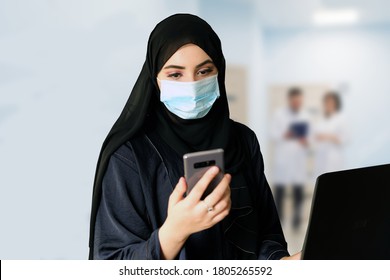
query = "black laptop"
{"x": 350, "y": 216}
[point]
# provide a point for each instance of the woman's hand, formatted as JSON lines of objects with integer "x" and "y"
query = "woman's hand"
{"x": 190, "y": 214}
{"x": 294, "y": 257}
{"x": 187, "y": 215}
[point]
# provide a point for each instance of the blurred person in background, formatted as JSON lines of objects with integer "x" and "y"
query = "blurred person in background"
{"x": 329, "y": 136}
{"x": 289, "y": 132}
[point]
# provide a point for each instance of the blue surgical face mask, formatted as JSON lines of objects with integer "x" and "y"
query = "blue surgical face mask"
{"x": 189, "y": 100}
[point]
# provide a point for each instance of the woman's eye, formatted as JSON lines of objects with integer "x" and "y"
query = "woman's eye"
{"x": 205, "y": 71}
{"x": 175, "y": 75}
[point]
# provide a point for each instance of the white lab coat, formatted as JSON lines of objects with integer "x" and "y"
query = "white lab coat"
{"x": 290, "y": 156}
{"x": 328, "y": 156}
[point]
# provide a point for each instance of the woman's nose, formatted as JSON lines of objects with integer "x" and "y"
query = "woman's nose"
{"x": 191, "y": 78}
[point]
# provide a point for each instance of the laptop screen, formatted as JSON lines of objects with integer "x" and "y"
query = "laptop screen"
{"x": 350, "y": 215}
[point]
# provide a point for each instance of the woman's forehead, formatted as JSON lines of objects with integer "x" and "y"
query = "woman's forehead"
{"x": 188, "y": 54}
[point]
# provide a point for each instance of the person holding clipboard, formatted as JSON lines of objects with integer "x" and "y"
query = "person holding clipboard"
{"x": 290, "y": 128}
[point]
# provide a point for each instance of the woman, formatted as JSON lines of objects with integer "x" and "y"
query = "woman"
{"x": 179, "y": 105}
{"x": 330, "y": 136}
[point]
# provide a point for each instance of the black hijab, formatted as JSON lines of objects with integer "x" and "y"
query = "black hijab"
{"x": 215, "y": 130}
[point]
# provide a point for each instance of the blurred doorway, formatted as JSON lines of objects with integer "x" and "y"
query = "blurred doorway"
{"x": 236, "y": 90}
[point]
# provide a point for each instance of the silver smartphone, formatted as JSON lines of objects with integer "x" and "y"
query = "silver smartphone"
{"x": 196, "y": 164}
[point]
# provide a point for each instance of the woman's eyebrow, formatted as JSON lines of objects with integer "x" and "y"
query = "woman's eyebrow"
{"x": 174, "y": 66}
{"x": 182, "y": 67}
{"x": 204, "y": 62}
